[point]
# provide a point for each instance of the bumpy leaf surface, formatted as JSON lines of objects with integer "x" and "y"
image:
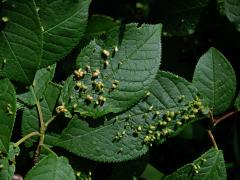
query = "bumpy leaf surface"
{"x": 51, "y": 168}
{"x": 209, "y": 166}
{"x": 7, "y": 113}
{"x": 215, "y": 79}
{"x": 39, "y": 33}
{"x": 126, "y": 76}
{"x": 128, "y": 135}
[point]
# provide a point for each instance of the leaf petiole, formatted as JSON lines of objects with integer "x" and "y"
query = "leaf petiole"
{"x": 35, "y": 133}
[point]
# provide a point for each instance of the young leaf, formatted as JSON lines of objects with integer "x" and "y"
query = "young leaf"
{"x": 39, "y": 33}
{"x": 209, "y": 166}
{"x": 232, "y": 11}
{"x": 215, "y": 79}
{"x": 51, "y": 168}
{"x": 37, "y": 89}
{"x": 7, "y": 164}
{"x": 152, "y": 173}
{"x": 121, "y": 80}
{"x": 7, "y": 113}
{"x": 163, "y": 113}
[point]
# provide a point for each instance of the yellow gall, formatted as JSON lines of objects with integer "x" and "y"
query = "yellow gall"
{"x": 106, "y": 52}
{"x": 79, "y": 73}
{"x": 96, "y": 73}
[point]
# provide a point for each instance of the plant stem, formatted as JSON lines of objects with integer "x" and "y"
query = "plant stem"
{"x": 50, "y": 120}
{"x": 40, "y": 114}
{"x": 26, "y": 137}
{"x": 47, "y": 148}
{"x": 42, "y": 128}
{"x": 40, "y": 143}
{"x": 216, "y": 121}
{"x": 212, "y": 139}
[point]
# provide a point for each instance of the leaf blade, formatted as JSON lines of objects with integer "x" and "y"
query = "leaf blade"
{"x": 51, "y": 167}
{"x": 89, "y": 139}
{"x": 20, "y": 41}
{"x": 215, "y": 79}
{"x": 64, "y": 24}
{"x": 211, "y": 164}
{"x": 232, "y": 11}
{"x": 7, "y": 113}
{"x": 134, "y": 66}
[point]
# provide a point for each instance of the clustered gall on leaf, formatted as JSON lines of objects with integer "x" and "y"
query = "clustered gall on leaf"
{"x": 89, "y": 98}
{"x": 196, "y": 168}
{"x": 105, "y": 53}
{"x": 88, "y": 68}
{"x": 61, "y": 109}
{"x": 9, "y": 109}
{"x": 114, "y": 85}
{"x": 5, "y": 19}
{"x": 96, "y": 73}
{"x": 120, "y": 135}
{"x": 165, "y": 124}
{"x": 79, "y": 73}
{"x": 98, "y": 85}
{"x": 81, "y": 86}
{"x": 106, "y": 64}
{"x": 100, "y": 100}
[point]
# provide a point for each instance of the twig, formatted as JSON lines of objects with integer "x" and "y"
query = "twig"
{"x": 47, "y": 148}
{"x": 216, "y": 121}
{"x": 50, "y": 120}
{"x": 212, "y": 139}
{"x": 26, "y": 137}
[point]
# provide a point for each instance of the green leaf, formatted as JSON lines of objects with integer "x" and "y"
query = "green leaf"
{"x": 209, "y": 166}
{"x": 237, "y": 102}
{"x": 21, "y": 40}
{"x": 51, "y": 168}
{"x": 132, "y": 69}
{"x": 174, "y": 14}
{"x": 99, "y": 25}
{"x": 129, "y": 135}
{"x": 64, "y": 23}
{"x": 30, "y": 117}
{"x": 7, "y": 163}
{"x": 215, "y": 79}
{"x": 7, "y": 113}
{"x": 128, "y": 169}
{"x": 232, "y": 11}
{"x": 37, "y": 89}
{"x": 152, "y": 173}
{"x": 37, "y": 34}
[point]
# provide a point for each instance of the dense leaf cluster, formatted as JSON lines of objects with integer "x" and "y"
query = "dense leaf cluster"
{"x": 116, "y": 102}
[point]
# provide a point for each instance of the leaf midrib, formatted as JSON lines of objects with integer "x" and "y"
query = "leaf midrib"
{"x": 213, "y": 167}
{"x": 114, "y": 71}
{"x": 62, "y": 22}
{"x": 40, "y": 24}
